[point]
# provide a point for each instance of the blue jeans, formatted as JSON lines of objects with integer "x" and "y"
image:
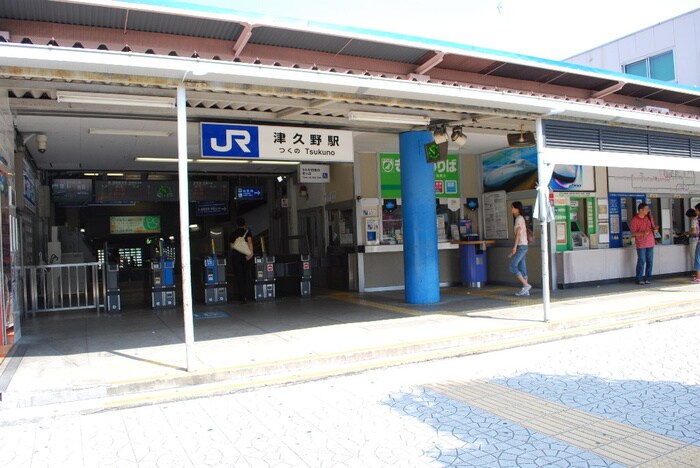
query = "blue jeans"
{"x": 517, "y": 262}
{"x": 645, "y": 257}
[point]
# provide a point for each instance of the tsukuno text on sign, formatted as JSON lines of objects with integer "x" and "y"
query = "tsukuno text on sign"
{"x": 275, "y": 143}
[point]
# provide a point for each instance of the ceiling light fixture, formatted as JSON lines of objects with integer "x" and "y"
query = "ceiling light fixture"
{"x": 522, "y": 139}
{"x": 440, "y": 135}
{"x": 127, "y": 132}
{"x": 283, "y": 163}
{"x": 91, "y": 174}
{"x": 458, "y": 136}
{"x": 222, "y": 161}
{"x": 115, "y": 174}
{"x": 158, "y": 160}
{"x": 115, "y": 99}
{"x": 383, "y": 117}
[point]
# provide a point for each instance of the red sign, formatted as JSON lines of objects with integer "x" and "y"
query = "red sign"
{"x": 439, "y": 186}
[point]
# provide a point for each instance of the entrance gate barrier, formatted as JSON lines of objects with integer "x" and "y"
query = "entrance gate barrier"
{"x": 58, "y": 287}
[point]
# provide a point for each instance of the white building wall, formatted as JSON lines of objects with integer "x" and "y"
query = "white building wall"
{"x": 681, "y": 34}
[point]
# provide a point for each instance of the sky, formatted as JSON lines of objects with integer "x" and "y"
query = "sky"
{"x": 552, "y": 29}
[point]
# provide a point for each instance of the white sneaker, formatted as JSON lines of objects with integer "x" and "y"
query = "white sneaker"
{"x": 523, "y": 292}
{"x": 527, "y": 289}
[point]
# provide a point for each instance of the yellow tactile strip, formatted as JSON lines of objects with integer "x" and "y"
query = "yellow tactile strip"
{"x": 615, "y": 441}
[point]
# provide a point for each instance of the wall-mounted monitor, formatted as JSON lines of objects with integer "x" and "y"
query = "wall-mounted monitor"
{"x": 71, "y": 191}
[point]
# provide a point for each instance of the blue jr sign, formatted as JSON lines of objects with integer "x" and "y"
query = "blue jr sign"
{"x": 226, "y": 140}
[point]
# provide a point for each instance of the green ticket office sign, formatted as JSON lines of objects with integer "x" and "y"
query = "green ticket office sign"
{"x": 446, "y": 176}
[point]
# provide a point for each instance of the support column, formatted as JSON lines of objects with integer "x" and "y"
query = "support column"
{"x": 184, "y": 195}
{"x": 420, "y": 252}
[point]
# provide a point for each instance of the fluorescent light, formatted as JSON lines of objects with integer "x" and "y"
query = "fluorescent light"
{"x": 164, "y": 160}
{"x": 406, "y": 119}
{"x": 91, "y": 174}
{"x": 283, "y": 163}
{"x": 222, "y": 161}
{"x": 189, "y": 160}
{"x": 127, "y": 132}
{"x": 116, "y": 99}
{"x": 115, "y": 174}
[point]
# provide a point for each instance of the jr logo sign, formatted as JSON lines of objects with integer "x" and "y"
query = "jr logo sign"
{"x": 225, "y": 140}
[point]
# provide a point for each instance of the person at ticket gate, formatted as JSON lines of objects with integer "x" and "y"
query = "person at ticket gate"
{"x": 643, "y": 228}
{"x": 242, "y": 264}
{"x": 517, "y": 257}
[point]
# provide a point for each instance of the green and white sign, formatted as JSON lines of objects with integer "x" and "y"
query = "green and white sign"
{"x": 446, "y": 176}
{"x": 134, "y": 224}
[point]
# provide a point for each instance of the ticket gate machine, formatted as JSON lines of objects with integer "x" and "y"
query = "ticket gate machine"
{"x": 111, "y": 278}
{"x": 215, "y": 280}
{"x": 162, "y": 280}
{"x": 264, "y": 278}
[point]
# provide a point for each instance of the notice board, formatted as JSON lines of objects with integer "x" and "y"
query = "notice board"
{"x": 495, "y": 215}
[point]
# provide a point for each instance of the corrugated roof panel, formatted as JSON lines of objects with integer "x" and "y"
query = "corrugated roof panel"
{"x": 519, "y": 72}
{"x": 297, "y": 39}
{"x": 465, "y": 63}
{"x": 184, "y": 26}
{"x": 103, "y": 17}
{"x": 64, "y": 13}
{"x": 377, "y": 50}
{"x": 583, "y": 82}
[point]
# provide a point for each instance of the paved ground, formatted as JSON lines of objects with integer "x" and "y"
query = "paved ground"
{"x": 136, "y": 357}
{"x": 624, "y": 398}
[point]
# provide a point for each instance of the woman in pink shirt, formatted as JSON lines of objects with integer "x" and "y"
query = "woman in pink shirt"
{"x": 643, "y": 228}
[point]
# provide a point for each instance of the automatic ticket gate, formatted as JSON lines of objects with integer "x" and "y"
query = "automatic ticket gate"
{"x": 113, "y": 297}
{"x": 113, "y": 301}
{"x": 296, "y": 268}
{"x": 264, "y": 278}
{"x": 162, "y": 284}
{"x": 215, "y": 280}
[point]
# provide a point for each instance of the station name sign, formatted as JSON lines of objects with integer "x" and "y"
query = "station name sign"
{"x": 259, "y": 142}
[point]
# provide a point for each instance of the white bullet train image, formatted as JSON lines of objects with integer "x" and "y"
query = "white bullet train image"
{"x": 508, "y": 175}
{"x": 565, "y": 174}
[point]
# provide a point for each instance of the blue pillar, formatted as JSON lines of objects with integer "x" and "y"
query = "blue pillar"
{"x": 420, "y": 254}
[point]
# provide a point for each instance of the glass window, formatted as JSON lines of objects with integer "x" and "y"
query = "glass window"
{"x": 661, "y": 67}
{"x": 637, "y": 68}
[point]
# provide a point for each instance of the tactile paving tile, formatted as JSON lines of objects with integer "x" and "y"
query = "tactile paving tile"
{"x": 622, "y": 443}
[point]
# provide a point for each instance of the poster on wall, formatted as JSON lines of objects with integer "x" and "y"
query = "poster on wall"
{"x": 446, "y": 176}
{"x": 652, "y": 181}
{"x": 573, "y": 177}
{"x": 510, "y": 169}
{"x": 495, "y": 215}
{"x": 134, "y": 224}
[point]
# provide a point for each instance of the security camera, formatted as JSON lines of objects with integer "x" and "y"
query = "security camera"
{"x": 41, "y": 142}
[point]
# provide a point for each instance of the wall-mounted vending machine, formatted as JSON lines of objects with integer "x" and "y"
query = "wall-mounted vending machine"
{"x": 372, "y": 234}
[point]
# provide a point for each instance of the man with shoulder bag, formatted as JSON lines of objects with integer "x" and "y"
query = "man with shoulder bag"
{"x": 241, "y": 244}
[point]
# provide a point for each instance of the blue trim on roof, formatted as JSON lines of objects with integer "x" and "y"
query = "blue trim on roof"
{"x": 203, "y": 7}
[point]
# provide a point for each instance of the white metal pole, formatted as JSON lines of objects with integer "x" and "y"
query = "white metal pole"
{"x": 543, "y": 181}
{"x": 184, "y": 223}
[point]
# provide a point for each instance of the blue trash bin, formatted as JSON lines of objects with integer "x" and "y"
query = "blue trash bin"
{"x": 472, "y": 265}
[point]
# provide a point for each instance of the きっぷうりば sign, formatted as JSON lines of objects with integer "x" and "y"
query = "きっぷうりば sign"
{"x": 259, "y": 142}
{"x": 446, "y": 176}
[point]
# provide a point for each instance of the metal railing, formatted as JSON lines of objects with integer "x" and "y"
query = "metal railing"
{"x": 71, "y": 286}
